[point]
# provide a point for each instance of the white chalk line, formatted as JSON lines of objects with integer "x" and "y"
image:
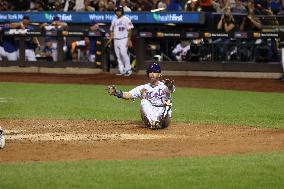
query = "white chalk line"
{"x": 84, "y": 137}
{"x": 4, "y": 100}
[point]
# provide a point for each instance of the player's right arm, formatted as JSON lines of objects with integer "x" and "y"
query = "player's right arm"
{"x": 112, "y": 90}
{"x": 129, "y": 42}
{"x": 119, "y": 93}
{"x": 129, "y": 27}
{"x": 132, "y": 94}
{"x": 126, "y": 95}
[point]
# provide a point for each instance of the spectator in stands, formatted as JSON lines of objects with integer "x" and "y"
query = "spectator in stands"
{"x": 38, "y": 6}
{"x": 192, "y": 5}
{"x": 179, "y": 53}
{"x": 87, "y": 7}
{"x": 155, "y": 4}
{"x": 110, "y": 5}
{"x": 220, "y": 5}
{"x": 274, "y": 6}
{"x": 100, "y": 6}
{"x": 259, "y": 6}
{"x": 48, "y": 5}
{"x": 58, "y": 6}
{"x": 251, "y": 22}
{"x": 281, "y": 11}
{"x": 262, "y": 8}
{"x": 207, "y": 5}
{"x": 162, "y": 5}
{"x": 226, "y": 24}
{"x": 174, "y": 6}
{"x": 143, "y": 5}
{"x": 5, "y": 6}
{"x": 95, "y": 4}
{"x": 69, "y": 5}
{"x": 20, "y": 5}
{"x": 271, "y": 44}
{"x": 124, "y": 3}
{"x": 239, "y": 7}
{"x": 79, "y": 4}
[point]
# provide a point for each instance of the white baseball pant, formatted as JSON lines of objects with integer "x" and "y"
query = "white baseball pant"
{"x": 2, "y": 53}
{"x": 13, "y": 56}
{"x": 121, "y": 51}
{"x": 151, "y": 114}
{"x": 30, "y": 55}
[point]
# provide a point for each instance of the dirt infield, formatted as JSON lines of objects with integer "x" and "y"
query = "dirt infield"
{"x": 42, "y": 140}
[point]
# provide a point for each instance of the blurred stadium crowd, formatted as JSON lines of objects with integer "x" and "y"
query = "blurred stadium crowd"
{"x": 232, "y": 15}
{"x": 273, "y": 6}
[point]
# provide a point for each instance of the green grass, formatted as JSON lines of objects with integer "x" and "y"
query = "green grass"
{"x": 198, "y": 106}
{"x": 246, "y": 171}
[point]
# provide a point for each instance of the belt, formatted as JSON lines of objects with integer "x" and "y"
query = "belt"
{"x": 159, "y": 105}
{"x": 120, "y": 38}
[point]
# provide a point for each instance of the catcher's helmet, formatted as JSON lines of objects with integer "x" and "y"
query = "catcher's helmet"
{"x": 119, "y": 8}
{"x": 153, "y": 68}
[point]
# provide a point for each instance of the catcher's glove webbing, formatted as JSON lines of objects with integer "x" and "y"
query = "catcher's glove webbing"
{"x": 111, "y": 90}
{"x": 169, "y": 83}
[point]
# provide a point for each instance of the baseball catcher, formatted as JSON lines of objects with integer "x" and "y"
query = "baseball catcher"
{"x": 156, "y": 103}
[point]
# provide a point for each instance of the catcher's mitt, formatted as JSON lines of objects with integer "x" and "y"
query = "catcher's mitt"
{"x": 111, "y": 90}
{"x": 169, "y": 83}
{"x": 143, "y": 92}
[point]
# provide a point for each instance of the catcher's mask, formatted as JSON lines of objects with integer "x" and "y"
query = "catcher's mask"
{"x": 153, "y": 68}
{"x": 119, "y": 8}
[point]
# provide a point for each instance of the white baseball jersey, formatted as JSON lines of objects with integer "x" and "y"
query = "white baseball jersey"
{"x": 157, "y": 95}
{"x": 180, "y": 49}
{"x": 153, "y": 106}
{"x": 120, "y": 27}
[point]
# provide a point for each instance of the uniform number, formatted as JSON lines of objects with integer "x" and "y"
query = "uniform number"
{"x": 121, "y": 28}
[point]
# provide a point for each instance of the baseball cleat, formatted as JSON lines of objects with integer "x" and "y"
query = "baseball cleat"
{"x": 155, "y": 125}
{"x": 119, "y": 74}
{"x": 2, "y": 138}
{"x": 128, "y": 73}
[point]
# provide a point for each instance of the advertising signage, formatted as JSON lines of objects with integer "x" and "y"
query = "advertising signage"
{"x": 106, "y": 17}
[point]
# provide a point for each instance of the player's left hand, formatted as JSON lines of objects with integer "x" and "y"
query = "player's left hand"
{"x": 143, "y": 92}
{"x": 111, "y": 90}
{"x": 129, "y": 44}
{"x": 169, "y": 83}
